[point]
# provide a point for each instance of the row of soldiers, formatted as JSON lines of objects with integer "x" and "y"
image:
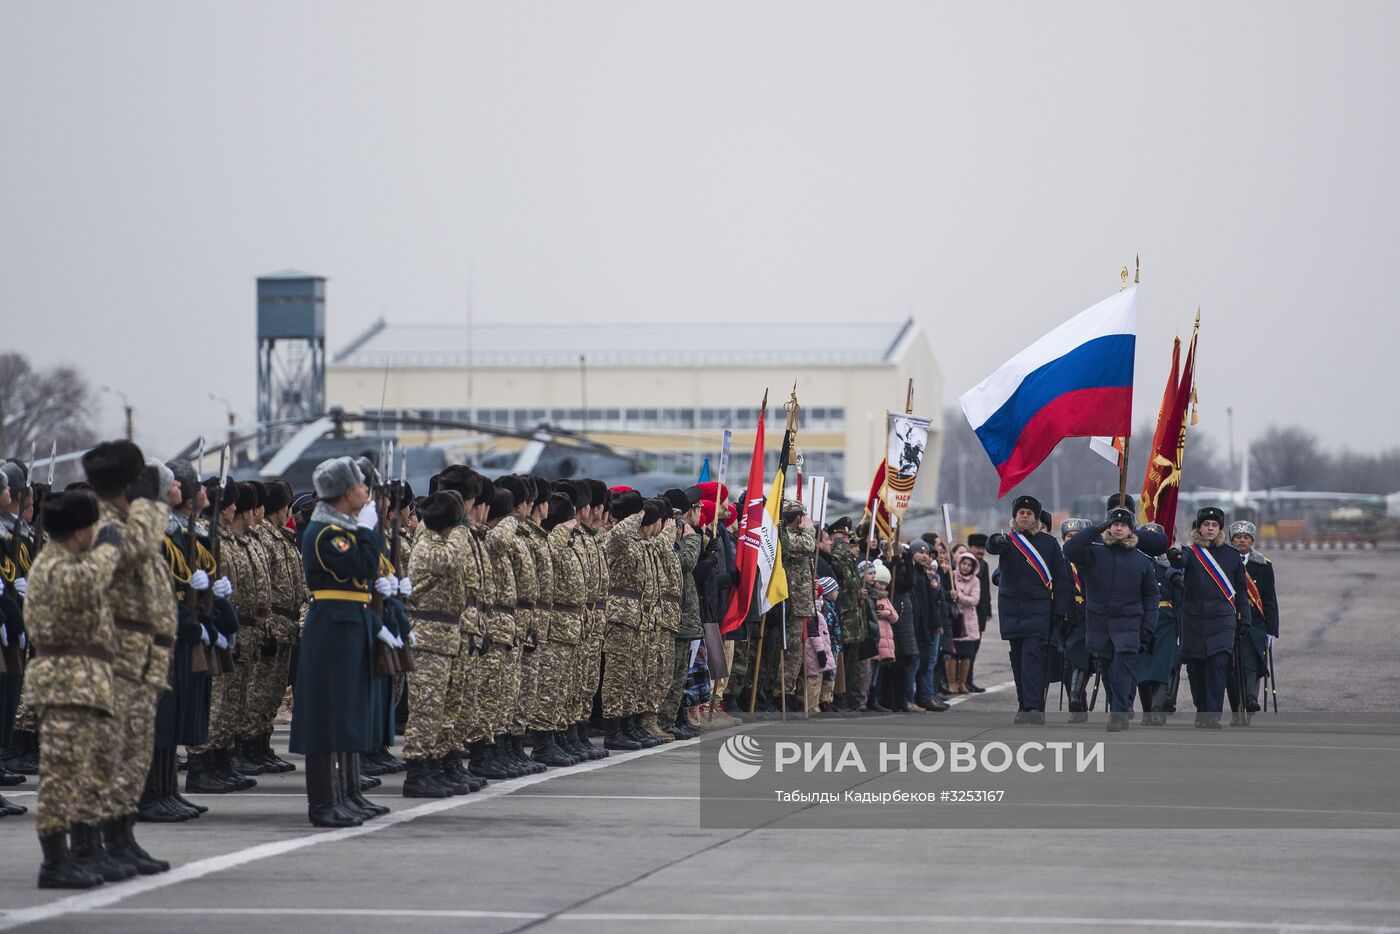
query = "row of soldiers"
{"x": 1113, "y": 603}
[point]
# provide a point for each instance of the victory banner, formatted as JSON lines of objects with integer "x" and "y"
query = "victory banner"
{"x": 907, "y": 440}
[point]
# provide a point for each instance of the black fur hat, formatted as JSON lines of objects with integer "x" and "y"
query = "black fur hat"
{"x": 678, "y": 500}
{"x": 247, "y": 499}
{"x": 458, "y": 477}
{"x": 487, "y": 493}
{"x": 654, "y": 509}
{"x": 561, "y": 509}
{"x": 230, "y": 492}
{"x": 277, "y": 495}
{"x": 1210, "y": 512}
{"x": 516, "y": 487}
{"x": 542, "y": 490}
{"x": 442, "y": 510}
{"x": 1124, "y": 500}
{"x": 1046, "y": 519}
{"x": 570, "y": 489}
{"x": 625, "y": 504}
{"x": 977, "y": 540}
{"x": 597, "y": 492}
{"x": 69, "y": 512}
{"x": 1026, "y": 502}
{"x": 502, "y": 504}
{"x": 113, "y": 466}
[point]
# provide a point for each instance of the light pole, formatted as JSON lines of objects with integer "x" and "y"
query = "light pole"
{"x": 232, "y": 418}
{"x": 126, "y": 406}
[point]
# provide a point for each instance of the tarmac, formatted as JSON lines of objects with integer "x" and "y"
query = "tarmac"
{"x": 619, "y": 844}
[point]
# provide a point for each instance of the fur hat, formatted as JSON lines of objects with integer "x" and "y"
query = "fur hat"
{"x": 368, "y": 470}
{"x": 1120, "y": 514}
{"x": 597, "y": 492}
{"x": 228, "y": 497}
{"x": 542, "y": 490}
{"x": 625, "y": 504}
{"x": 247, "y": 499}
{"x": 1026, "y": 502}
{"x": 1207, "y": 513}
{"x": 1153, "y": 527}
{"x": 517, "y": 488}
{"x": 185, "y": 476}
{"x": 1072, "y": 525}
{"x": 13, "y": 475}
{"x": 166, "y": 477}
{"x": 1125, "y": 500}
{"x": 678, "y": 500}
{"x": 561, "y": 509}
{"x": 442, "y": 510}
{"x": 655, "y": 509}
{"x": 69, "y": 512}
{"x": 977, "y": 540}
{"x": 113, "y": 466}
{"x": 487, "y": 494}
{"x": 460, "y": 478}
{"x": 335, "y": 477}
{"x": 1244, "y": 527}
{"x": 1046, "y": 519}
{"x": 567, "y": 488}
{"x": 502, "y": 504}
{"x": 277, "y": 495}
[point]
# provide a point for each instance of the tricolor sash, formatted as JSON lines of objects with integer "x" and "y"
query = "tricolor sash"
{"x": 1214, "y": 570}
{"x": 1033, "y": 558}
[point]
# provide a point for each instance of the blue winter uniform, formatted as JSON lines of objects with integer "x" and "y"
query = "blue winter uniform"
{"x": 1120, "y": 588}
{"x": 1026, "y": 602}
{"x": 1208, "y": 619}
{"x": 1159, "y": 660}
{"x": 1263, "y": 605}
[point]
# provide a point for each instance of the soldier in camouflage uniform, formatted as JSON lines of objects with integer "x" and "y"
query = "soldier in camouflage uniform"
{"x": 287, "y": 591}
{"x": 595, "y": 621}
{"x": 689, "y": 551}
{"x": 500, "y": 661}
{"x": 850, "y": 608}
{"x": 252, "y": 597}
{"x": 527, "y": 619}
{"x": 569, "y": 558}
{"x": 799, "y": 541}
{"x": 435, "y": 610}
{"x": 70, "y": 681}
{"x": 143, "y": 611}
{"x": 625, "y": 547}
{"x": 667, "y": 617}
{"x": 544, "y": 661}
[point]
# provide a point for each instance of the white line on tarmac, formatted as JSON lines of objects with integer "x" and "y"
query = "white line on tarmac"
{"x": 1286, "y": 927}
{"x": 113, "y": 893}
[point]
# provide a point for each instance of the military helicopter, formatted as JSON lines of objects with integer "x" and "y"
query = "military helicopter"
{"x": 549, "y": 452}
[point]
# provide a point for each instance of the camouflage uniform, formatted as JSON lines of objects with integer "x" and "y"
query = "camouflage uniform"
{"x": 595, "y": 621}
{"x": 142, "y": 605}
{"x": 435, "y": 610}
{"x": 688, "y": 551}
{"x": 500, "y": 682}
{"x": 70, "y": 683}
{"x": 668, "y": 622}
{"x": 226, "y": 692}
{"x": 548, "y": 659}
{"x": 623, "y": 669}
{"x": 798, "y": 547}
{"x": 469, "y": 725}
{"x": 570, "y": 598}
{"x": 527, "y": 622}
{"x": 287, "y": 592}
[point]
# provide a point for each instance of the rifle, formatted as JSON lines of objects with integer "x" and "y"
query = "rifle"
{"x": 1273, "y": 684}
{"x": 223, "y": 657}
{"x": 386, "y": 660}
{"x": 199, "y": 655}
{"x": 403, "y": 656}
{"x": 13, "y": 656}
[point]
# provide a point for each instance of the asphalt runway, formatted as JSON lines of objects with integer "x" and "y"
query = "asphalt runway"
{"x": 618, "y": 845}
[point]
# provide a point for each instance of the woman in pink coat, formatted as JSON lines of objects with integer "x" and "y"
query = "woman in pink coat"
{"x": 885, "y": 613}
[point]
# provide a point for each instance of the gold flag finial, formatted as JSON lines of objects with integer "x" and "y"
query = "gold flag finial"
{"x": 1124, "y": 276}
{"x": 792, "y": 408}
{"x": 1137, "y": 267}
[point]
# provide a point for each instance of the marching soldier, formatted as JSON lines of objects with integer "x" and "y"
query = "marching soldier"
{"x": 331, "y": 720}
{"x": 1161, "y": 659}
{"x": 1074, "y": 636}
{"x": 142, "y": 606}
{"x": 1034, "y": 588}
{"x": 1120, "y": 585}
{"x": 71, "y": 685}
{"x": 1212, "y": 614}
{"x": 1263, "y": 630}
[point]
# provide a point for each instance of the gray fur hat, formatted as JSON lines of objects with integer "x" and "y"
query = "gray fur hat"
{"x": 1243, "y": 527}
{"x": 1071, "y": 526}
{"x": 167, "y": 478}
{"x": 335, "y": 477}
{"x": 185, "y": 476}
{"x": 15, "y": 479}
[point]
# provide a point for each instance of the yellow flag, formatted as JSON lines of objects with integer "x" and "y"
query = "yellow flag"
{"x": 777, "y": 583}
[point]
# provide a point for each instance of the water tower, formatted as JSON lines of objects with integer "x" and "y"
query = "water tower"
{"x": 291, "y": 352}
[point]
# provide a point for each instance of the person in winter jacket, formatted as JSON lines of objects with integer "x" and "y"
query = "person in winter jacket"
{"x": 967, "y": 591}
{"x": 821, "y": 660}
{"x": 1120, "y": 587}
{"x": 1034, "y": 588}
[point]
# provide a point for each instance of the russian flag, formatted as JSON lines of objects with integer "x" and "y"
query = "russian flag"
{"x": 1076, "y": 381}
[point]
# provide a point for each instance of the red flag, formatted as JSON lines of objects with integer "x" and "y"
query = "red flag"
{"x": 750, "y": 527}
{"x": 1163, "y": 480}
{"x": 881, "y": 526}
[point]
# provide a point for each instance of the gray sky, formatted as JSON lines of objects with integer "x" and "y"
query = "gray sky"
{"x": 985, "y": 167}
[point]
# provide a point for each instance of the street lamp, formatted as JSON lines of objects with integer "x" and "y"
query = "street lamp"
{"x": 228, "y": 407}
{"x": 126, "y": 405}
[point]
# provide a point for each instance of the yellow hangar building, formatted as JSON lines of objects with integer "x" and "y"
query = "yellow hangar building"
{"x": 666, "y": 391}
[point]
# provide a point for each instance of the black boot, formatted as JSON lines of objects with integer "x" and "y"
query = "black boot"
{"x": 516, "y": 746}
{"x": 535, "y": 767}
{"x": 243, "y": 758}
{"x": 617, "y": 736}
{"x": 1078, "y": 696}
{"x": 418, "y": 785}
{"x": 484, "y": 762}
{"x": 171, "y": 784}
{"x": 972, "y": 663}
{"x": 634, "y": 730}
{"x": 270, "y": 758}
{"x": 453, "y": 769}
{"x": 199, "y": 779}
{"x": 352, "y": 794}
{"x": 153, "y": 807}
{"x": 9, "y": 809}
{"x": 683, "y": 729}
{"x": 321, "y": 793}
{"x": 91, "y": 856}
{"x": 225, "y": 772}
{"x": 119, "y": 837}
{"x": 546, "y": 751}
{"x": 8, "y": 777}
{"x": 22, "y": 755}
{"x": 438, "y": 774}
{"x": 579, "y": 731}
{"x": 58, "y": 871}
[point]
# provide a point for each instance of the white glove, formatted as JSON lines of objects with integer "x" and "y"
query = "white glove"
{"x": 387, "y": 637}
{"x": 23, "y": 641}
{"x": 1272, "y": 640}
{"x": 204, "y": 634}
{"x": 387, "y": 586}
{"x": 412, "y": 638}
{"x": 22, "y": 585}
{"x": 199, "y": 580}
{"x": 2, "y": 585}
{"x": 222, "y": 641}
{"x": 222, "y": 588}
{"x": 405, "y": 587}
{"x": 4, "y": 637}
{"x": 368, "y": 517}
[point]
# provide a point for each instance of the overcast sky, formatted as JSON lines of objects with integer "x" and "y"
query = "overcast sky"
{"x": 985, "y": 167}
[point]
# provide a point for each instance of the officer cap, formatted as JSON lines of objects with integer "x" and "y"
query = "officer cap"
{"x": 841, "y": 525}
